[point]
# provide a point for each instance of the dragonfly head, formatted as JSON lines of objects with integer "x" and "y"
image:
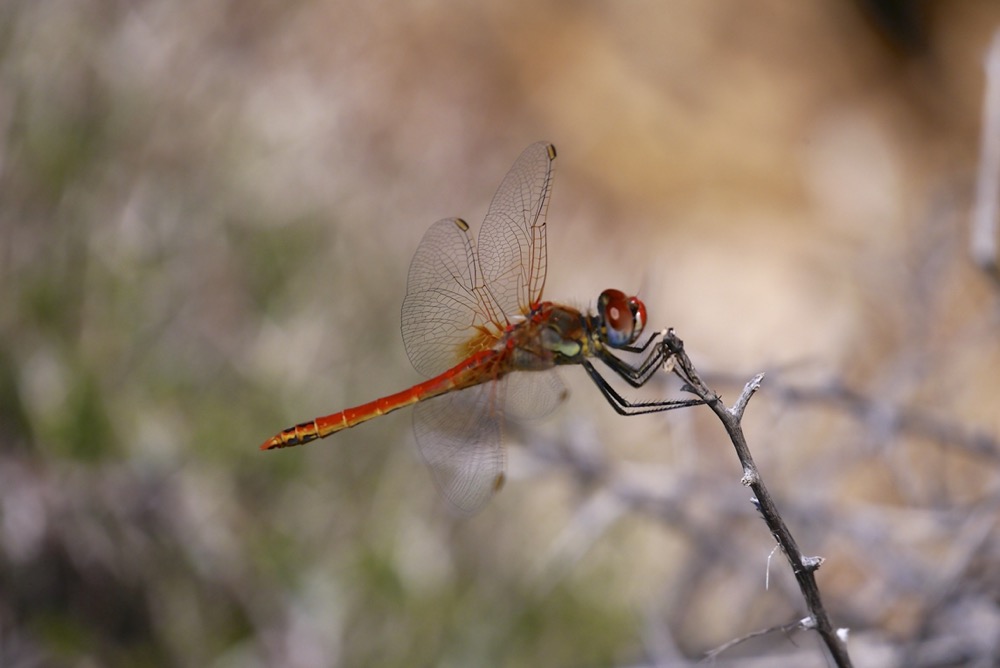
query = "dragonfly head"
{"x": 622, "y": 317}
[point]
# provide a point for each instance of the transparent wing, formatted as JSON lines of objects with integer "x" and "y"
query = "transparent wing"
{"x": 444, "y": 301}
{"x": 512, "y": 239}
{"x": 455, "y": 306}
{"x": 458, "y": 435}
{"x": 533, "y": 394}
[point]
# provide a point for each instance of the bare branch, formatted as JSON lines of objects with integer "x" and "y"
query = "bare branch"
{"x": 781, "y": 628}
{"x": 803, "y": 567}
{"x": 748, "y": 391}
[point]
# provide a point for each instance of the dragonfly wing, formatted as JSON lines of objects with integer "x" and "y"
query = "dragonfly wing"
{"x": 458, "y": 435}
{"x": 444, "y": 298}
{"x": 512, "y": 239}
{"x": 533, "y": 394}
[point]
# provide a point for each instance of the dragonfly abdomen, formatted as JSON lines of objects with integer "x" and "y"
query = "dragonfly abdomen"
{"x": 475, "y": 370}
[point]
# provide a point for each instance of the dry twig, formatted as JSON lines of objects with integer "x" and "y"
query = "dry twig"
{"x": 803, "y": 567}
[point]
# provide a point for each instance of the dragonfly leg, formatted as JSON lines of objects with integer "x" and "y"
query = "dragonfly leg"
{"x": 639, "y": 374}
{"x": 625, "y": 407}
{"x": 641, "y": 349}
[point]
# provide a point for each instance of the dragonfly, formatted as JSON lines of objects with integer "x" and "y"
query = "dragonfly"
{"x": 475, "y": 323}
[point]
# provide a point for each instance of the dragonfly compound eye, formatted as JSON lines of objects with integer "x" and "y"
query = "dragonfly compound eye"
{"x": 623, "y": 317}
{"x": 638, "y": 316}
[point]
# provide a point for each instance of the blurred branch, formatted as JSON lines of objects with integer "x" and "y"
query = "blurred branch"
{"x": 969, "y": 543}
{"x": 787, "y": 629}
{"x": 803, "y": 567}
{"x": 985, "y": 215}
{"x": 886, "y": 416}
{"x": 908, "y": 421}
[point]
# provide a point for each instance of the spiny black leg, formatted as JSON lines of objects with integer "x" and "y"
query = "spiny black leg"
{"x": 637, "y": 375}
{"x": 642, "y": 348}
{"x": 625, "y": 407}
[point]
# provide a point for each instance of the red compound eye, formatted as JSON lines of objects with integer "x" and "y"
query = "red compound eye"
{"x": 623, "y": 317}
{"x": 638, "y": 316}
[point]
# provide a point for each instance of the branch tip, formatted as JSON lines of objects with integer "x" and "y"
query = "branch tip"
{"x": 748, "y": 391}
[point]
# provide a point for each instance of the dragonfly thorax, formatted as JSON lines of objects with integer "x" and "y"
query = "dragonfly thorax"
{"x": 551, "y": 335}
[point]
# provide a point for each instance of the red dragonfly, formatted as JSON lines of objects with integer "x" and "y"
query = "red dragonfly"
{"x": 474, "y": 321}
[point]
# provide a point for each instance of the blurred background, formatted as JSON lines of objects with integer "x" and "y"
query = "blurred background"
{"x": 207, "y": 213}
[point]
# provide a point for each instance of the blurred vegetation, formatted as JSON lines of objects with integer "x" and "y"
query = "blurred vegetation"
{"x": 206, "y": 215}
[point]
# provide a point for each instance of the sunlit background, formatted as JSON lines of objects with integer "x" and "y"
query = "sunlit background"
{"x": 207, "y": 212}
